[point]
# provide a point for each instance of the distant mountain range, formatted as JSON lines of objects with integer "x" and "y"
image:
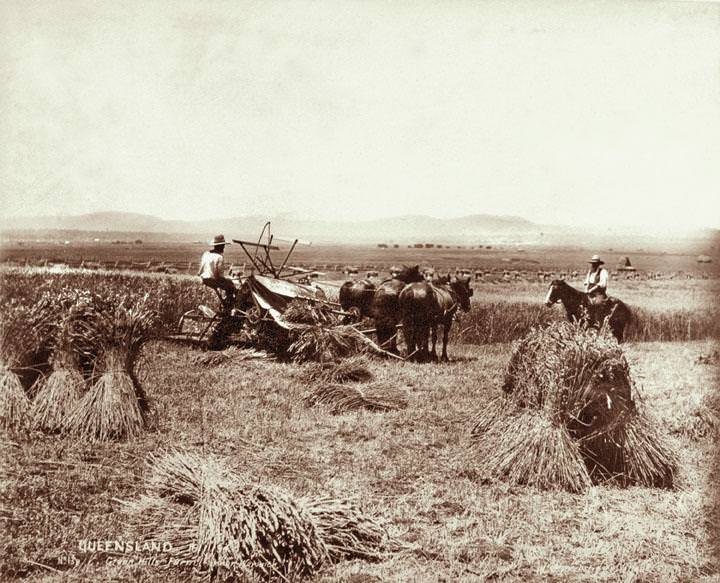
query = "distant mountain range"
{"x": 408, "y": 229}
{"x": 404, "y": 229}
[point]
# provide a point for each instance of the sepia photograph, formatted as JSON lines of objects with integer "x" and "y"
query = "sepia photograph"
{"x": 357, "y": 291}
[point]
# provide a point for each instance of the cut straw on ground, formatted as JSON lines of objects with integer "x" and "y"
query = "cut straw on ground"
{"x": 353, "y": 369}
{"x": 343, "y": 398}
{"x": 228, "y": 357}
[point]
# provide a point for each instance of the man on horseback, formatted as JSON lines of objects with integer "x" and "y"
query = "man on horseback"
{"x": 211, "y": 271}
{"x": 596, "y": 281}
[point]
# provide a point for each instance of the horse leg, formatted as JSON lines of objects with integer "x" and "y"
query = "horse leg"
{"x": 379, "y": 334}
{"x": 433, "y": 331}
{"x": 381, "y": 330}
{"x": 410, "y": 341}
{"x": 446, "y": 333}
{"x": 426, "y": 342}
{"x": 422, "y": 338}
{"x": 392, "y": 338}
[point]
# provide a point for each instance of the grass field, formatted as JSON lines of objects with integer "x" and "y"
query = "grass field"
{"x": 412, "y": 468}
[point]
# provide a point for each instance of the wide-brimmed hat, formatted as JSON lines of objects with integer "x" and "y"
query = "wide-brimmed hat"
{"x": 219, "y": 240}
{"x": 596, "y": 259}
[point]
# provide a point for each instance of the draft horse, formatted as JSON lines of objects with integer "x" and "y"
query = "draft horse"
{"x": 578, "y": 307}
{"x": 425, "y": 306}
{"x": 356, "y": 297}
{"x": 385, "y": 310}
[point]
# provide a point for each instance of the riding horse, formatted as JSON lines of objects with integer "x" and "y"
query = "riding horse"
{"x": 578, "y": 307}
{"x": 425, "y": 306}
{"x": 384, "y": 309}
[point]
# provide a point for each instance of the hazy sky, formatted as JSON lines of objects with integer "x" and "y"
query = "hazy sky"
{"x": 590, "y": 112}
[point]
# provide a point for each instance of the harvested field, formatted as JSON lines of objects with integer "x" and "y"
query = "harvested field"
{"x": 397, "y": 445}
{"x": 409, "y": 468}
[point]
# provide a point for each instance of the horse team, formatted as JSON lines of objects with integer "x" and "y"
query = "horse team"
{"x": 422, "y": 306}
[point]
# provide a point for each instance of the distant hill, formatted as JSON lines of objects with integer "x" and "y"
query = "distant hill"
{"x": 409, "y": 229}
{"x": 106, "y": 221}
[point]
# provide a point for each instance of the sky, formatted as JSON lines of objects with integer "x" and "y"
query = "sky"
{"x": 573, "y": 112}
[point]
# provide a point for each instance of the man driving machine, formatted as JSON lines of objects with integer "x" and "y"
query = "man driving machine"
{"x": 211, "y": 270}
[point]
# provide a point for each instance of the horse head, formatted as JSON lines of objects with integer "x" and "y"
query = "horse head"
{"x": 555, "y": 292}
{"x": 410, "y": 274}
{"x": 461, "y": 287}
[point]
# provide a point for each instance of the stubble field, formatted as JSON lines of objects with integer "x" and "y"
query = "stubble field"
{"x": 413, "y": 469}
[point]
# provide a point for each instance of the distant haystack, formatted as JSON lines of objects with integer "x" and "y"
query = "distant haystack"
{"x": 624, "y": 264}
{"x": 704, "y": 259}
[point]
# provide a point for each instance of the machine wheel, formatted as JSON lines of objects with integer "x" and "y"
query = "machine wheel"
{"x": 253, "y": 315}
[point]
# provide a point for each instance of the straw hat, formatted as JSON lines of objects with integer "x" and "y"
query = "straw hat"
{"x": 596, "y": 259}
{"x": 219, "y": 240}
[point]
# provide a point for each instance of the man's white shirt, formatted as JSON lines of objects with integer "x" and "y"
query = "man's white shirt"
{"x": 211, "y": 265}
{"x": 599, "y": 277}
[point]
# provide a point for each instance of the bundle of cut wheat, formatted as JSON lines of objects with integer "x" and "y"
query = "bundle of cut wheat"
{"x": 643, "y": 459}
{"x": 315, "y": 342}
{"x": 348, "y": 533}
{"x": 527, "y": 448}
{"x": 342, "y": 398}
{"x": 19, "y": 341}
{"x": 338, "y": 398}
{"x": 14, "y": 403}
{"x": 353, "y": 369}
{"x": 80, "y": 324}
{"x": 382, "y": 396}
{"x": 115, "y": 407}
{"x": 59, "y": 393}
{"x": 219, "y": 523}
{"x": 228, "y": 356}
{"x": 568, "y": 417}
{"x": 303, "y": 312}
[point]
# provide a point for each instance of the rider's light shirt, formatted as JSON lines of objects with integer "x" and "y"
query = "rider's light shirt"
{"x": 211, "y": 265}
{"x": 599, "y": 277}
